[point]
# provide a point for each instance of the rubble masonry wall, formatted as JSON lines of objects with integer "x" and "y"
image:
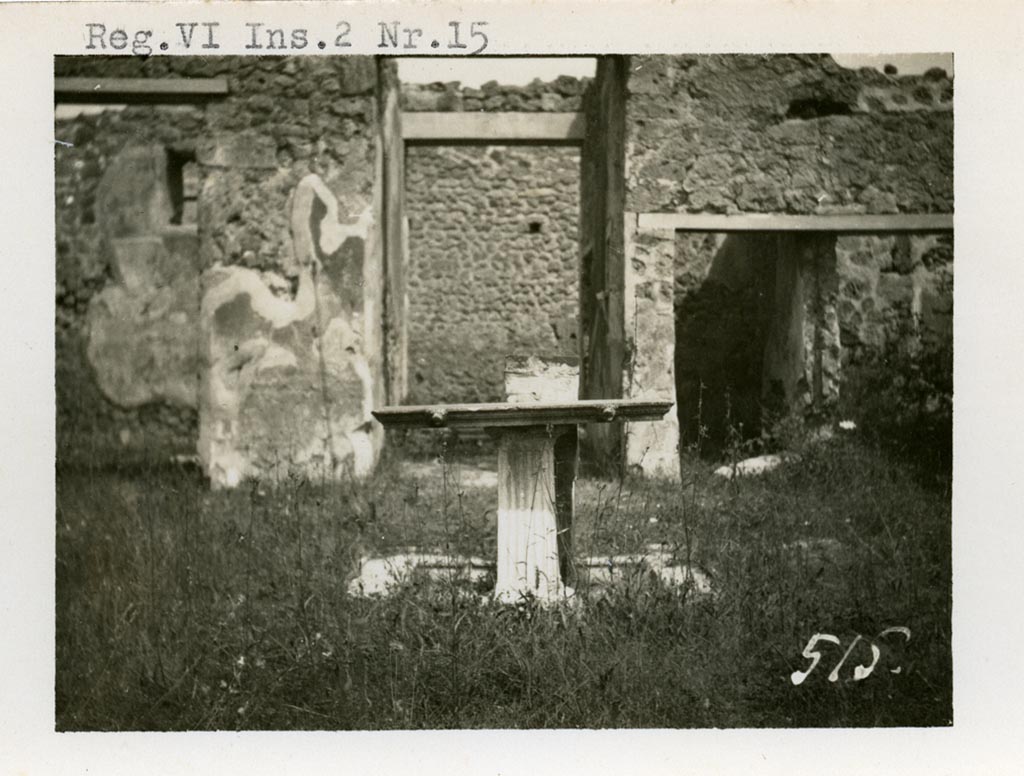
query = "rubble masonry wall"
{"x": 780, "y": 134}
{"x": 493, "y": 244}
{"x": 281, "y": 184}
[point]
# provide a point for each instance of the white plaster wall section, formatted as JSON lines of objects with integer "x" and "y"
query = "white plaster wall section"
{"x": 231, "y": 366}
{"x": 234, "y": 361}
{"x": 226, "y": 382}
{"x": 277, "y": 311}
{"x": 277, "y": 357}
{"x": 367, "y": 439}
{"x": 333, "y": 232}
{"x": 344, "y": 342}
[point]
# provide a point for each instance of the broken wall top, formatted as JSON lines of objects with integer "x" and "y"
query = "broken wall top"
{"x": 564, "y": 94}
{"x": 785, "y": 134}
{"x": 246, "y": 75}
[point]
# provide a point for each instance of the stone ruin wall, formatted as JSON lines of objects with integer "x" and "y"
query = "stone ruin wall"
{"x": 257, "y": 216}
{"x": 791, "y": 135}
{"x": 113, "y": 392}
{"x": 493, "y": 245}
{"x": 785, "y": 134}
{"x": 185, "y": 233}
{"x": 562, "y": 95}
{"x": 267, "y": 286}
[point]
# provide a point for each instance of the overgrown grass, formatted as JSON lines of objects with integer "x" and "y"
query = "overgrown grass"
{"x": 184, "y": 609}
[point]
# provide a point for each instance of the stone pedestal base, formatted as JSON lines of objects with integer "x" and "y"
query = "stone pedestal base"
{"x": 529, "y": 502}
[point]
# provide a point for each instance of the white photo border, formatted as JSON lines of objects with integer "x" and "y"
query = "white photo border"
{"x": 987, "y": 43}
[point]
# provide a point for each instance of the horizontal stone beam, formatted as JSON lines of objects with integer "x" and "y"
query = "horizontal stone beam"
{"x": 770, "y": 222}
{"x": 455, "y": 128}
{"x": 138, "y": 90}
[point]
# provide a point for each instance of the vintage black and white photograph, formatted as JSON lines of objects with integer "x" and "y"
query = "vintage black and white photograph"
{"x": 403, "y": 393}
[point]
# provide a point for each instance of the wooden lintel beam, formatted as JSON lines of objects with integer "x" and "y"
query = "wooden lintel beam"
{"x": 770, "y": 222}
{"x": 438, "y": 128}
{"x": 138, "y": 90}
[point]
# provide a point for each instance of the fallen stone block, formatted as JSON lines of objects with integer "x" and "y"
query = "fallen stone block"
{"x": 753, "y": 466}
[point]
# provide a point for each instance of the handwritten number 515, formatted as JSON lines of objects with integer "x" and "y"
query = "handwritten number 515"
{"x": 859, "y": 672}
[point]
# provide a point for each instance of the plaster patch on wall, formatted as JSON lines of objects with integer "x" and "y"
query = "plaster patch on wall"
{"x": 289, "y": 386}
{"x": 228, "y": 168}
{"x": 136, "y": 344}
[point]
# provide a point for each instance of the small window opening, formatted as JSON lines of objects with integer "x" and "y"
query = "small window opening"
{"x": 183, "y": 186}
{"x": 535, "y": 227}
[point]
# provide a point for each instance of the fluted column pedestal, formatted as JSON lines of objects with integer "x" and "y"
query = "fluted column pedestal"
{"x": 534, "y": 486}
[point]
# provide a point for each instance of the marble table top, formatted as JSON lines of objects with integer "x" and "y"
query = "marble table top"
{"x": 506, "y": 414}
